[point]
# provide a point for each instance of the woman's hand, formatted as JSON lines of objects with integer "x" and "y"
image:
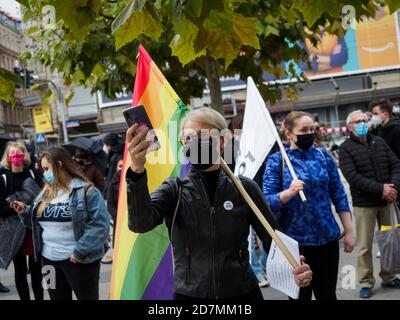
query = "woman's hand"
{"x": 137, "y": 146}
{"x": 18, "y": 206}
{"x": 349, "y": 242}
{"x": 73, "y": 260}
{"x": 295, "y": 187}
{"x": 302, "y": 274}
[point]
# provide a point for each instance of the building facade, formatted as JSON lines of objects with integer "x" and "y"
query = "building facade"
{"x": 15, "y": 121}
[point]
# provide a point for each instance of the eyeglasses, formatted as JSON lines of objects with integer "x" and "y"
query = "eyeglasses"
{"x": 190, "y": 138}
{"x": 359, "y": 121}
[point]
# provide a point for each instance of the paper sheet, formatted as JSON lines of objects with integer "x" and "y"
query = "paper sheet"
{"x": 279, "y": 271}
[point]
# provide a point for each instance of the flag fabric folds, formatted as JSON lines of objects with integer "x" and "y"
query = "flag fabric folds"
{"x": 258, "y": 136}
{"x": 142, "y": 263}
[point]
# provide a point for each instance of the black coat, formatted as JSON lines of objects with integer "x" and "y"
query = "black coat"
{"x": 391, "y": 134}
{"x": 367, "y": 167}
{"x": 116, "y": 153}
{"x": 209, "y": 240}
{"x": 112, "y": 196}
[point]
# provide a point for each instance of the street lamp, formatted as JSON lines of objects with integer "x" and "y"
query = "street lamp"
{"x": 61, "y": 106}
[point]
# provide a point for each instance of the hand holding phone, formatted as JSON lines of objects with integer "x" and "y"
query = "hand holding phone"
{"x": 137, "y": 147}
{"x": 18, "y": 206}
{"x": 138, "y": 115}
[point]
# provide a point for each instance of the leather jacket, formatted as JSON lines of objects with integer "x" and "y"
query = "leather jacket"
{"x": 209, "y": 240}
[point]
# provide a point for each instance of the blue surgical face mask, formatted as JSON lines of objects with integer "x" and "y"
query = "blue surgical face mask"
{"x": 361, "y": 129}
{"x": 49, "y": 177}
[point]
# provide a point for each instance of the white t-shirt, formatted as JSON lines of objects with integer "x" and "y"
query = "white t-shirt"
{"x": 58, "y": 234}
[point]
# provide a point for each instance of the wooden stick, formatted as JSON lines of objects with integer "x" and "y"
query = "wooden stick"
{"x": 259, "y": 215}
{"x": 289, "y": 164}
{"x": 283, "y": 151}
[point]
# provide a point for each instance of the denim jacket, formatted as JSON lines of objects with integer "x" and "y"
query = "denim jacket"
{"x": 90, "y": 220}
{"x": 311, "y": 223}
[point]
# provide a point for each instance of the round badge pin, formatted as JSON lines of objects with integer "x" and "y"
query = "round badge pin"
{"x": 228, "y": 205}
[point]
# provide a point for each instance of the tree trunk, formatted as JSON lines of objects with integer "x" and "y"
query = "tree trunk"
{"x": 212, "y": 72}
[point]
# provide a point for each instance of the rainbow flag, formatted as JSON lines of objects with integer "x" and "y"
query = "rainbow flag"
{"x": 142, "y": 263}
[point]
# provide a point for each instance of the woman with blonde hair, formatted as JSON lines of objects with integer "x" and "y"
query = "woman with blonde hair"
{"x": 70, "y": 226}
{"x": 16, "y": 240}
{"x": 207, "y": 218}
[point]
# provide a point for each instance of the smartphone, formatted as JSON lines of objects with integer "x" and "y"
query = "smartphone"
{"x": 139, "y": 115}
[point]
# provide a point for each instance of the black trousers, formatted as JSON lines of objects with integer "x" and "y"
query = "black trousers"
{"x": 21, "y": 277}
{"x": 254, "y": 294}
{"x": 82, "y": 279}
{"x": 324, "y": 263}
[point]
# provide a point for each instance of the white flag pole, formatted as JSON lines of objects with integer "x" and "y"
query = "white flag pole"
{"x": 290, "y": 166}
{"x": 278, "y": 138}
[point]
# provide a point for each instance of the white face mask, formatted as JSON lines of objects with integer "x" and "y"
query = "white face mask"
{"x": 376, "y": 121}
{"x": 106, "y": 149}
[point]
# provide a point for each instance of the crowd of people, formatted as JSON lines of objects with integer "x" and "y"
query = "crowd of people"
{"x": 57, "y": 211}
{"x": 53, "y": 213}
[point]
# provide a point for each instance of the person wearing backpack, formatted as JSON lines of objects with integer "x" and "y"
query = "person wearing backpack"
{"x": 70, "y": 226}
{"x": 311, "y": 223}
{"x": 16, "y": 240}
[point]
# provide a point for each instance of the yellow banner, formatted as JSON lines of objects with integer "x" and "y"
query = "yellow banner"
{"x": 42, "y": 118}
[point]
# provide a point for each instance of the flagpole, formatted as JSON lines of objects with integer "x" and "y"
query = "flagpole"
{"x": 278, "y": 138}
{"x": 259, "y": 215}
{"x": 289, "y": 164}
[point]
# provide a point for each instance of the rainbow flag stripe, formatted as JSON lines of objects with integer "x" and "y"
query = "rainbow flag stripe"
{"x": 142, "y": 263}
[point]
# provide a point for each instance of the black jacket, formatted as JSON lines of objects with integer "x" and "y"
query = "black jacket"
{"x": 116, "y": 153}
{"x": 391, "y": 134}
{"x": 367, "y": 167}
{"x": 209, "y": 240}
{"x": 112, "y": 196}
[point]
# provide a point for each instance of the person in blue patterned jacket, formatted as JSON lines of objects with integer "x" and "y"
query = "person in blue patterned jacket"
{"x": 311, "y": 223}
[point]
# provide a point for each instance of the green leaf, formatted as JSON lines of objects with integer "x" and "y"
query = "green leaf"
{"x": 9, "y": 76}
{"x": 219, "y": 21}
{"x": 182, "y": 44}
{"x": 393, "y": 5}
{"x": 126, "y": 13}
{"x": 78, "y": 76}
{"x": 77, "y": 15}
{"x": 193, "y": 8}
{"x": 99, "y": 71}
{"x": 271, "y": 30}
{"x": 312, "y": 10}
{"x": 140, "y": 22}
{"x": 69, "y": 97}
{"x": 7, "y": 91}
{"x": 24, "y": 3}
{"x": 245, "y": 30}
{"x": 227, "y": 33}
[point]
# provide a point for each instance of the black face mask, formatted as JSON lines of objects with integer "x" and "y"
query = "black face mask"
{"x": 81, "y": 163}
{"x": 305, "y": 141}
{"x": 194, "y": 150}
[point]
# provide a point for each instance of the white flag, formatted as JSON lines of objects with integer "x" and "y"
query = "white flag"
{"x": 258, "y": 134}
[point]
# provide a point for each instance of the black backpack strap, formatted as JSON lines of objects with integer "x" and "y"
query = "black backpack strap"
{"x": 178, "y": 189}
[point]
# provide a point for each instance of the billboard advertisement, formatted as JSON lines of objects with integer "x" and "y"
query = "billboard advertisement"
{"x": 371, "y": 45}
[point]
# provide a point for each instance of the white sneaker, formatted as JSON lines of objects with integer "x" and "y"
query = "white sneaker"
{"x": 263, "y": 283}
{"x": 378, "y": 254}
{"x": 107, "y": 260}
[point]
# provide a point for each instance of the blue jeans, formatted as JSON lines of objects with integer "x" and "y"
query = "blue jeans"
{"x": 258, "y": 257}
